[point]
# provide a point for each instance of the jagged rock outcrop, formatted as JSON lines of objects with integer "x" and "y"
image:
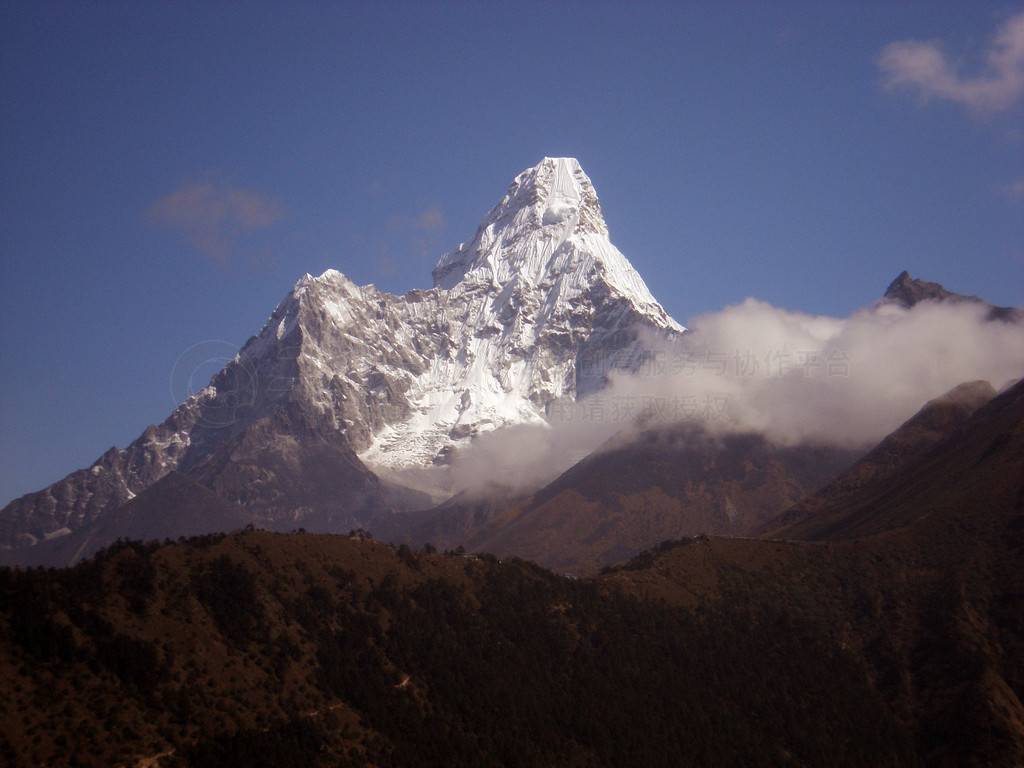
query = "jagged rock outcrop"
{"x": 905, "y": 291}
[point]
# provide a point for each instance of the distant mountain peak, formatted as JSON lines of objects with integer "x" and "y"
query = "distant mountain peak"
{"x": 906, "y": 291}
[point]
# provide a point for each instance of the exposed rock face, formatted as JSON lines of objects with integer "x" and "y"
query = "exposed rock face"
{"x": 906, "y": 292}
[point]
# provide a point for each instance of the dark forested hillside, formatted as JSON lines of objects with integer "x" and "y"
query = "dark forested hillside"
{"x": 261, "y": 649}
{"x": 648, "y": 486}
{"x": 271, "y": 649}
{"x": 900, "y": 648}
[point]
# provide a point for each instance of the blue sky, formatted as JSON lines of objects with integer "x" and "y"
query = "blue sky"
{"x": 169, "y": 170}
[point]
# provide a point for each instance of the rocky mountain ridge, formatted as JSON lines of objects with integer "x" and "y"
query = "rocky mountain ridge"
{"x": 535, "y": 309}
{"x": 906, "y": 291}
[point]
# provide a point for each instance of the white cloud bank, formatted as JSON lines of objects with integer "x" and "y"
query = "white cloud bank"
{"x": 797, "y": 377}
{"x": 926, "y": 69}
{"x": 790, "y": 376}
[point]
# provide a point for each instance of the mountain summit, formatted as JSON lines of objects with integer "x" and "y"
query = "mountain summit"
{"x": 345, "y": 381}
{"x": 906, "y": 291}
{"x": 547, "y": 232}
{"x": 539, "y": 306}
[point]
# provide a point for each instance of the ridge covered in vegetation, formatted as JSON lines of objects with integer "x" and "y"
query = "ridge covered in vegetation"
{"x": 270, "y": 649}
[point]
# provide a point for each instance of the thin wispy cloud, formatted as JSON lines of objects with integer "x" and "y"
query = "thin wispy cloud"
{"x": 404, "y": 237}
{"x": 430, "y": 220}
{"x": 215, "y": 217}
{"x": 1013, "y": 191}
{"x": 416, "y": 235}
{"x": 926, "y": 69}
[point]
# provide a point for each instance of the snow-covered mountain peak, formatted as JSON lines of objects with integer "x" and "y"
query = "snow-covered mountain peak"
{"x": 497, "y": 340}
{"x": 331, "y": 281}
{"x": 555, "y": 192}
{"x": 547, "y": 235}
{"x": 535, "y": 311}
{"x": 546, "y": 204}
{"x": 539, "y": 306}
